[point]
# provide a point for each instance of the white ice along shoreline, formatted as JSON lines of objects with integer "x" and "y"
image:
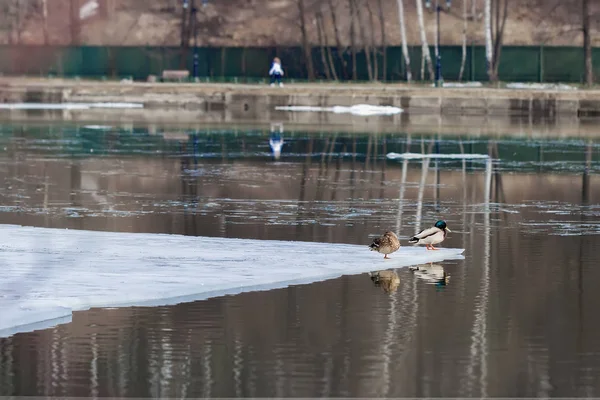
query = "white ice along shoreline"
{"x": 49, "y": 273}
{"x": 358, "y": 109}
{"x": 66, "y": 106}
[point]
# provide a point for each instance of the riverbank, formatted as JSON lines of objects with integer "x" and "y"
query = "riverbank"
{"x": 252, "y": 100}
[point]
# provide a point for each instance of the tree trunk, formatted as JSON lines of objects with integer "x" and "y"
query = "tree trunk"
{"x": 365, "y": 42}
{"x": 45, "y": 21}
{"x": 328, "y": 48}
{"x": 499, "y": 35}
{"x": 424, "y": 45}
{"x": 489, "y": 52}
{"x": 338, "y": 41}
{"x": 75, "y": 25}
{"x": 18, "y": 20}
{"x": 464, "y": 42}
{"x": 182, "y": 36}
{"x": 353, "y": 39}
{"x": 305, "y": 43}
{"x": 321, "y": 46}
{"x": 501, "y": 17}
{"x": 587, "y": 44}
{"x": 189, "y": 31}
{"x": 109, "y": 8}
{"x": 373, "y": 44}
{"x": 383, "y": 40}
{"x": 404, "y": 43}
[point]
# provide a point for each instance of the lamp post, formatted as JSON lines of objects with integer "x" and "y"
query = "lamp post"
{"x": 195, "y": 32}
{"x": 438, "y": 56}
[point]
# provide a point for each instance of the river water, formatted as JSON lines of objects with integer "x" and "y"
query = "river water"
{"x": 516, "y": 318}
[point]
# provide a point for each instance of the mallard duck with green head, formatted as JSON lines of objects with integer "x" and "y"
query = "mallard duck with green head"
{"x": 431, "y": 236}
{"x": 385, "y": 244}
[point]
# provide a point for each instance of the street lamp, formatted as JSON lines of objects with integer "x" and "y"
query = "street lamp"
{"x": 195, "y": 32}
{"x": 438, "y": 56}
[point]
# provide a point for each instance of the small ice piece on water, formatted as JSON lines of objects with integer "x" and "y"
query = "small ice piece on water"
{"x": 540, "y": 86}
{"x": 49, "y": 273}
{"x": 393, "y": 156}
{"x": 358, "y": 109}
{"x": 366, "y": 109}
{"x": 460, "y": 84}
{"x": 66, "y": 106}
{"x": 98, "y": 127}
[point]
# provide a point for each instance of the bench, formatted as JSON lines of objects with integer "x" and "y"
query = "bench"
{"x": 173, "y": 74}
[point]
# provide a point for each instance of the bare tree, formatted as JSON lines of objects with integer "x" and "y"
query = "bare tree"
{"x": 45, "y": 21}
{"x": 501, "y": 14}
{"x": 320, "y": 34}
{"x": 404, "y": 42}
{"x": 365, "y": 42}
{"x": 338, "y": 41}
{"x": 75, "y": 22}
{"x": 329, "y": 55}
{"x": 424, "y": 46}
{"x": 18, "y": 23}
{"x": 305, "y": 42}
{"x": 353, "y": 38}
{"x": 489, "y": 50}
{"x": 587, "y": 43}
{"x": 373, "y": 44}
{"x": 383, "y": 39}
{"x": 464, "y": 42}
{"x": 474, "y": 15}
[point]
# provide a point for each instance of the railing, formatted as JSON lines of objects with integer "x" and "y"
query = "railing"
{"x": 251, "y": 64}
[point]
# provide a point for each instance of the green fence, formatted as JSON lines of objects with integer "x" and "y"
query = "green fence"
{"x": 518, "y": 63}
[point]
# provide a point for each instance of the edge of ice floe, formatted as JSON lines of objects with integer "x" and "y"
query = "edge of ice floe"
{"x": 49, "y": 318}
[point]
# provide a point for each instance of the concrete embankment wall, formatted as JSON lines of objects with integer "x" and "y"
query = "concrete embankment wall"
{"x": 246, "y": 101}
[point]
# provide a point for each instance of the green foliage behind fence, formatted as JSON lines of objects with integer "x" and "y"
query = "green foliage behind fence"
{"x": 518, "y": 63}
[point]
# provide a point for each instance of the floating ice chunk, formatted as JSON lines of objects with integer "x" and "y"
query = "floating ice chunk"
{"x": 66, "y": 106}
{"x": 393, "y": 156}
{"x": 540, "y": 86}
{"x": 366, "y": 109}
{"x": 460, "y": 84}
{"x": 98, "y": 127}
{"x": 358, "y": 109}
{"x": 49, "y": 273}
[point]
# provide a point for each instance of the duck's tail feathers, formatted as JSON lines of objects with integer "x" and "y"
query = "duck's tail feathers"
{"x": 413, "y": 240}
{"x": 374, "y": 245}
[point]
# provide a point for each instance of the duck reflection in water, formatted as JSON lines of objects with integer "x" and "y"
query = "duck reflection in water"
{"x": 388, "y": 280}
{"x": 276, "y": 140}
{"x": 431, "y": 273}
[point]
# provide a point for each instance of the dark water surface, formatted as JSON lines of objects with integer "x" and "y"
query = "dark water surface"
{"x": 518, "y": 317}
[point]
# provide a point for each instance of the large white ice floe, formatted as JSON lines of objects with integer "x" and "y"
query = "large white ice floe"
{"x": 49, "y": 273}
{"x": 358, "y": 109}
{"x": 66, "y": 106}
